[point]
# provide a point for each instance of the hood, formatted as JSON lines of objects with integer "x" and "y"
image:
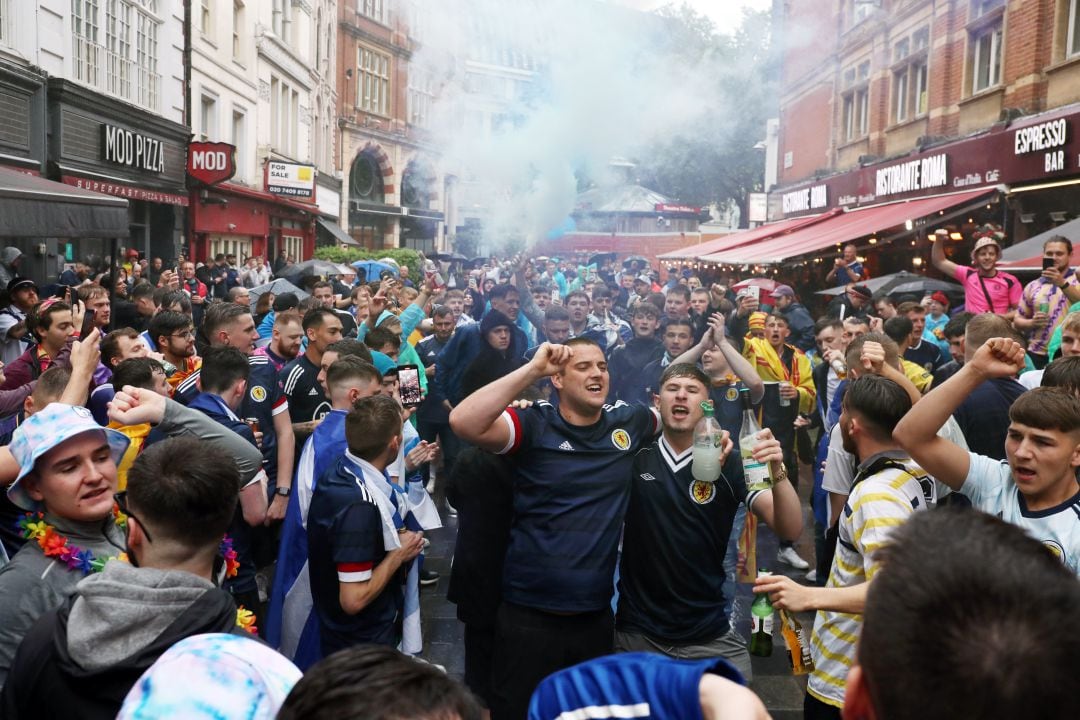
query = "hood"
{"x": 9, "y": 255}
{"x": 495, "y": 319}
{"x": 127, "y": 616}
{"x": 644, "y": 350}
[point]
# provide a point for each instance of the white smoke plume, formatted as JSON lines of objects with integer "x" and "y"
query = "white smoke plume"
{"x": 599, "y": 81}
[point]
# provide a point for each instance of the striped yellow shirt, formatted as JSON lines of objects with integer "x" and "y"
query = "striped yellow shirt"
{"x": 876, "y": 506}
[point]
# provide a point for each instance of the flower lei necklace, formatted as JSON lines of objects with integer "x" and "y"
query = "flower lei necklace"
{"x": 32, "y": 526}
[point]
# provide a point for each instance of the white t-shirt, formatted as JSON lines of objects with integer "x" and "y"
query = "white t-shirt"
{"x": 840, "y": 464}
{"x": 11, "y": 348}
{"x": 1032, "y": 380}
{"x": 991, "y": 488}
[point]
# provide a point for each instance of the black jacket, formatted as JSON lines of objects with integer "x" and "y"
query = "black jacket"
{"x": 625, "y": 365}
{"x": 44, "y": 682}
{"x": 480, "y": 488}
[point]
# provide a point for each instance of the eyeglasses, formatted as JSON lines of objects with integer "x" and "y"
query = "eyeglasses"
{"x": 186, "y": 335}
{"x": 121, "y": 502}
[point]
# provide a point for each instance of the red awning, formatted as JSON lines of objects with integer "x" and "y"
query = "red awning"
{"x": 1034, "y": 262}
{"x": 846, "y": 227}
{"x": 266, "y": 197}
{"x": 738, "y": 239}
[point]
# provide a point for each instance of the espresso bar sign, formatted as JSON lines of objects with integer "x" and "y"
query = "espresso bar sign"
{"x": 130, "y": 149}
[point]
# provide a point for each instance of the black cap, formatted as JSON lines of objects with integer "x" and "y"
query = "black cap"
{"x": 17, "y": 283}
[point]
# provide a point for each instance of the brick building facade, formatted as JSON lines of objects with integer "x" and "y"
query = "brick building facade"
{"x": 392, "y": 192}
{"x": 865, "y": 81}
{"x": 886, "y": 102}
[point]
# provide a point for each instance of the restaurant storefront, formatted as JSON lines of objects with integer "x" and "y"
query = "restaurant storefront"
{"x": 103, "y": 145}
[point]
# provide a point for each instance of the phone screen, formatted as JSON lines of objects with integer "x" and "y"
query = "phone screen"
{"x": 1048, "y": 263}
{"x": 409, "y": 385}
{"x": 87, "y": 323}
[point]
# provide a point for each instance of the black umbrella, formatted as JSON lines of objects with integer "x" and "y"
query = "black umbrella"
{"x": 309, "y": 268}
{"x": 644, "y": 262}
{"x": 601, "y": 257}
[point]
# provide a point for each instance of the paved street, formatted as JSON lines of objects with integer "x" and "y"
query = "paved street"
{"x": 773, "y": 681}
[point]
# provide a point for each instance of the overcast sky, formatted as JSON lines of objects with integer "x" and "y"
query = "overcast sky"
{"x": 725, "y": 13}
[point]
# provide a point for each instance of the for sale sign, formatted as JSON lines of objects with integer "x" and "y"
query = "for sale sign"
{"x": 290, "y": 179}
{"x": 210, "y": 163}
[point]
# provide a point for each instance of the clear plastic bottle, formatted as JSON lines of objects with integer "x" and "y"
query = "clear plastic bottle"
{"x": 758, "y": 475}
{"x": 708, "y": 441}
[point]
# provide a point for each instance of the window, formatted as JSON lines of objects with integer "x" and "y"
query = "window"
{"x": 239, "y": 134}
{"x": 373, "y": 82}
{"x": 146, "y": 56}
{"x": 374, "y": 9}
{"x": 421, "y": 97}
{"x": 5, "y": 21}
{"x": 237, "y": 27}
{"x": 1072, "y": 46}
{"x": 205, "y": 18}
{"x": 861, "y": 10}
{"x": 118, "y": 65}
{"x": 208, "y": 118}
{"x": 127, "y": 50}
{"x": 910, "y": 76}
{"x": 282, "y": 19}
{"x": 284, "y": 116}
{"x": 979, "y": 8}
{"x": 86, "y": 57}
{"x": 856, "y": 102}
{"x": 986, "y": 58}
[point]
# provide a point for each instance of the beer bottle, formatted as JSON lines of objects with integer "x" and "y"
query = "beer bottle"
{"x": 761, "y": 619}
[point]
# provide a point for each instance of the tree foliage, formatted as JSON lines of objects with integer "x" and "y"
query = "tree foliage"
{"x": 402, "y": 256}
{"x": 711, "y": 158}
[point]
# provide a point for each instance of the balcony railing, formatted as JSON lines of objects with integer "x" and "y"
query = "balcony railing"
{"x": 115, "y": 75}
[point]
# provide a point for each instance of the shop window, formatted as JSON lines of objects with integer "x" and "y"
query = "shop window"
{"x": 856, "y": 102}
{"x": 986, "y": 47}
{"x": 373, "y": 81}
{"x": 1072, "y": 46}
{"x": 911, "y": 76}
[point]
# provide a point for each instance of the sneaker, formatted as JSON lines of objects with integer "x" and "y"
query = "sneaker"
{"x": 811, "y": 577}
{"x": 789, "y": 556}
{"x": 429, "y": 577}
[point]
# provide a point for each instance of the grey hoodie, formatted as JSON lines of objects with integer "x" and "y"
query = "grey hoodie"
{"x": 122, "y": 609}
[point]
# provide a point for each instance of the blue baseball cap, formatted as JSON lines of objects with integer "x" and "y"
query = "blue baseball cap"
{"x": 41, "y": 432}
{"x": 383, "y": 362}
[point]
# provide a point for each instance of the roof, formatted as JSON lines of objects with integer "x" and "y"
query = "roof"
{"x": 619, "y": 199}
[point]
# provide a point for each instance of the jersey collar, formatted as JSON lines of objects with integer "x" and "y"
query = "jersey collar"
{"x": 675, "y": 461}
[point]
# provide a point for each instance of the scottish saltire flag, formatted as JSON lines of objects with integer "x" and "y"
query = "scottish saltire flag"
{"x": 291, "y": 625}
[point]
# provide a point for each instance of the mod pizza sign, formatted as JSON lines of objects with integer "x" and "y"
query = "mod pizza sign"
{"x": 210, "y": 163}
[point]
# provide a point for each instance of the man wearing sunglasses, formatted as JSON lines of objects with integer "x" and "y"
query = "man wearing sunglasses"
{"x": 82, "y": 659}
{"x": 67, "y": 473}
